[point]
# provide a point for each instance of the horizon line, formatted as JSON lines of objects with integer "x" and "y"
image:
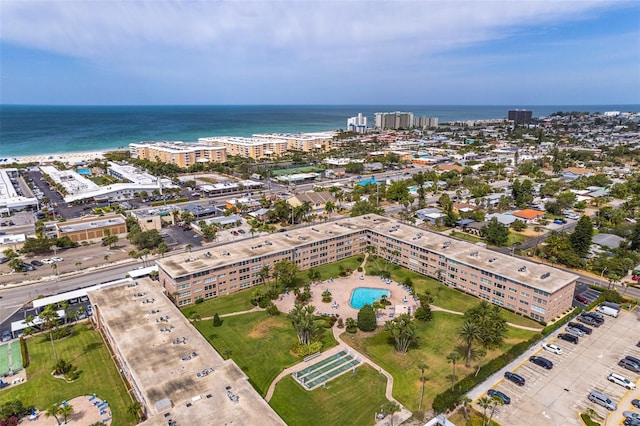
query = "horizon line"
{"x": 313, "y": 105}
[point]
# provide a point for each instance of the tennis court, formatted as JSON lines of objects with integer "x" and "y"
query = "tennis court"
{"x": 4, "y": 359}
{"x": 16, "y": 356}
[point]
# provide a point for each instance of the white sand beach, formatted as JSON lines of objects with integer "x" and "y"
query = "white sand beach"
{"x": 67, "y": 157}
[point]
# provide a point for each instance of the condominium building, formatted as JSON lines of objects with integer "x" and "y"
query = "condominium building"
{"x": 357, "y": 124}
{"x": 425, "y": 122}
{"x": 170, "y": 369}
{"x": 537, "y": 291}
{"x": 254, "y": 147}
{"x": 179, "y": 153}
{"x": 520, "y": 116}
{"x": 272, "y": 145}
{"x": 394, "y": 120}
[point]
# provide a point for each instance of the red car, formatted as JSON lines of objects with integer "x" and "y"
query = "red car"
{"x": 582, "y": 299}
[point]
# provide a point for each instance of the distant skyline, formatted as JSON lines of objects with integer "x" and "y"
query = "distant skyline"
{"x": 320, "y": 52}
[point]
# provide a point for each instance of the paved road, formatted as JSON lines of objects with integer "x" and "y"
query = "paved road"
{"x": 15, "y": 297}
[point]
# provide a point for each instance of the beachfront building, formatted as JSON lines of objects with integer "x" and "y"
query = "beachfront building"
{"x": 425, "y": 122}
{"x": 92, "y": 229}
{"x": 172, "y": 371}
{"x": 271, "y": 145}
{"x": 12, "y": 193}
{"x": 181, "y": 154}
{"x": 534, "y": 290}
{"x": 254, "y": 147}
{"x": 357, "y": 124}
{"x": 394, "y": 120}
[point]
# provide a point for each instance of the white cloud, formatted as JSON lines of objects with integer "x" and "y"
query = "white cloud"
{"x": 238, "y": 29}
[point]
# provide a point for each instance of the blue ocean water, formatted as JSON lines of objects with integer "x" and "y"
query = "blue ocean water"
{"x": 36, "y": 130}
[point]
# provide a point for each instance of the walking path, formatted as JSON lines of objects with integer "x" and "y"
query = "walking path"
{"x": 523, "y": 327}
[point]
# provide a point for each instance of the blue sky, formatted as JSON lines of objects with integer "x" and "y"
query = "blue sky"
{"x": 320, "y": 52}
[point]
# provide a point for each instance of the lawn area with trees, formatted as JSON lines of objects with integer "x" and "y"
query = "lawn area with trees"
{"x": 443, "y": 296}
{"x": 351, "y": 399}
{"x": 260, "y": 344}
{"x": 436, "y": 339}
{"x": 98, "y": 374}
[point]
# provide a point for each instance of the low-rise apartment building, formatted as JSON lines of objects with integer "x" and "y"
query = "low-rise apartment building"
{"x": 179, "y": 153}
{"x": 271, "y": 145}
{"x": 537, "y": 291}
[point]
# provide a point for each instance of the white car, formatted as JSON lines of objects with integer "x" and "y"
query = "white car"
{"x": 622, "y": 381}
{"x": 57, "y": 259}
{"x": 47, "y": 261}
{"x": 574, "y": 331}
{"x": 552, "y": 348}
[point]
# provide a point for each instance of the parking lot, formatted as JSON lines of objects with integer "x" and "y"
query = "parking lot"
{"x": 558, "y": 396}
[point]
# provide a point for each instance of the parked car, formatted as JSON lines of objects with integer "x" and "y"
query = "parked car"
{"x": 631, "y": 422}
{"x": 603, "y": 400}
{"x": 552, "y": 348}
{"x": 608, "y": 311}
{"x": 632, "y": 359}
{"x": 57, "y": 259}
{"x": 629, "y": 365}
{"x": 636, "y": 403}
{"x": 572, "y": 338}
{"x": 515, "y": 378}
{"x": 27, "y": 267}
{"x": 47, "y": 261}
{"x": 589, "y": 320}
{"x": 6, "y": 336}
{"x": 497, "y": 394}
{"x": 4, "y": 260}
{"x": 559, "y": 221}
{"x": 584, "y": 328}
{"x": 36, "y": 263}
{"x": 621, "y": 380}
{"x": 574, "y": 331}
{"x": 542, "y": 362}
{"x": 580, "y": 298}
{"x": 631, "y": 415}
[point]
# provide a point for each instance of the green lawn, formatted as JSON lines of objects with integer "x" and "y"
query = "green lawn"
{"x": 332, "y": 270}
{"x": 444, "y": 297}
{"x": 86, "y": 350}
{"x": 351, "y": 399}
{"x": 259, "y": 344}
{"x": 236, "y": 302}
{"x": 432, "y": 349}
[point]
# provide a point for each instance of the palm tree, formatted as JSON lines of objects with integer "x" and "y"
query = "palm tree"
{"x": 480, "y": 355}
{"x": 464, "y": 400}
{"x": 422, "y": 366}
{"x": 188, "y": 247}
{"x": 495, "y": 402}
{"x": 452, "y": 358}
{"x": 52, "y": 411}
{"x": 484, "y": 402}
{"x": 302, "y": 320}
{"x": 49, "y": 318}
{"x": 54, "y": 266}
{"x": 78, "y": 264}
{"x": 134, "y": 410}
{"x": 66, "y": 411}
{"x": 265, "y": 274}
{"x": 469, "y": 333}
{"x": 106, "y": 257}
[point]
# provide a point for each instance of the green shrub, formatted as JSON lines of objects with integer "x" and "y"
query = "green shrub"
{"x": 306, "y": 350}
{"x": 587, "y": 420}
{"x": 556, "y": 325}
{"x": 25, "y": 352}
{"x": 423, "y": 313}
{"x": 367, "y": 318}
{"x": 217, "y": 322}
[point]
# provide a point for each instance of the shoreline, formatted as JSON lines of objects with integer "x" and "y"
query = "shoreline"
{"x": 69, "y": 157}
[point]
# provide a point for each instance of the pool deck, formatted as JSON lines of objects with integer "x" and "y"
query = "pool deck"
{"x": 341, "y": 289}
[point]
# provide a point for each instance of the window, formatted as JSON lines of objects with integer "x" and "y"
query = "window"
{"x": 538, "y": 309}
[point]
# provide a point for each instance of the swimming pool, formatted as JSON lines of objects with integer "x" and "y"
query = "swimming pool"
{"x": 362, "y": 296}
